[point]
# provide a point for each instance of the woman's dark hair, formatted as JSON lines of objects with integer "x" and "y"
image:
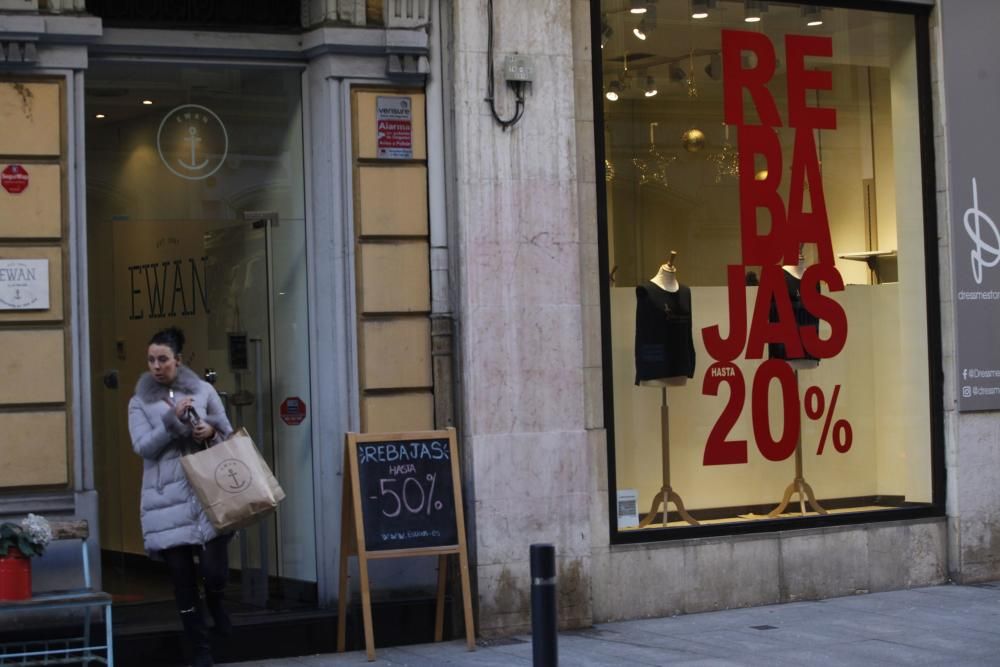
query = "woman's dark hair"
{"x": 172, "y": 337}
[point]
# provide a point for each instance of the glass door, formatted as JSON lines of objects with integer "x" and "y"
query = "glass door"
{"x": 196, "y": 219}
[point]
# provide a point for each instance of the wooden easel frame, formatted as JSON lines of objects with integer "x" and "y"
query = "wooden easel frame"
{"x": 666, "y": 494}
{"x": 352, "y": 542}
{"x": 799, "y": 485}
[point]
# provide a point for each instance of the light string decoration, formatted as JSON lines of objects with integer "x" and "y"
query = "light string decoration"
{"x": 653, "y": 167}
{"x": 726, "y": 159}
{"x": 692, "y": 88}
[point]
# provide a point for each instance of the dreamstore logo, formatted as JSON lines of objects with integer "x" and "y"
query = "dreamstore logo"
{"x": 985, "y": 252}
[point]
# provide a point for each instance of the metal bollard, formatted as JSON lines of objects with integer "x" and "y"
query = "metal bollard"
{"x": 544, "y": 643}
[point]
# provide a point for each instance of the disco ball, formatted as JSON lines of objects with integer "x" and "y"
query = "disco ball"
{"x": 693, "y": 140}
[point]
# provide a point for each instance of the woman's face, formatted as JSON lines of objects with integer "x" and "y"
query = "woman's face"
{"x": 162, "y": 363}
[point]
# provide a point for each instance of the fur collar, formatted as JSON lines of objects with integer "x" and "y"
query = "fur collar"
{"x": 149, "y": 390}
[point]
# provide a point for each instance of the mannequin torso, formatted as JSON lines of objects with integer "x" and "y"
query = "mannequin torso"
{"x": 676, "y": 300}
{"x": 666, "y": 279}
{"x": 796, "y": 272}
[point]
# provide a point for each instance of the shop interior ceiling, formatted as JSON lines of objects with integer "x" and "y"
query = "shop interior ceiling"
{"x": 676, "y": 44}
{"x": 115, "y": 91}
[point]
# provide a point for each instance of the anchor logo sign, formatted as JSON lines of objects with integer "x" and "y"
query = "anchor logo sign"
{"x": 192, "y": 142}
{"x": 233, "y": 476}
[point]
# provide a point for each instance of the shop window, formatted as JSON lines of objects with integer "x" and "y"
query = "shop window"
{"x": 766, "y": 266}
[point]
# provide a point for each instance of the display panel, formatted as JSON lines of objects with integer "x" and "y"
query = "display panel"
{"x": 766, "y": 268}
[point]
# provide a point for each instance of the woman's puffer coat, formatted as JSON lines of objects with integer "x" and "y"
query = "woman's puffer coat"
{"x": 170, "y": 512}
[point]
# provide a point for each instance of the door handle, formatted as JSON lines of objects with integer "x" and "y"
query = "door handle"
{"x": 110, "y": 378}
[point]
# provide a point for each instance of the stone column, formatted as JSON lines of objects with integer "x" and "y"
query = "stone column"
{"x": 520, "y": 310}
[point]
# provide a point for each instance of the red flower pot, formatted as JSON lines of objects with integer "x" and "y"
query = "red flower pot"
{"x": 15, "y": 576}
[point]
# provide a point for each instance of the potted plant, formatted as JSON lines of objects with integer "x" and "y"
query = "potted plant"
{"x": 18, "y": 543}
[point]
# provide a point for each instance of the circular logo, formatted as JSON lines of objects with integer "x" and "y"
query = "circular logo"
{"x": 233, "y": 476}
{"x": 192, "y": 142}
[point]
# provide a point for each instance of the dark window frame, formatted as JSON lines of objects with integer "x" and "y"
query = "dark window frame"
{"x": 921, "y": 17}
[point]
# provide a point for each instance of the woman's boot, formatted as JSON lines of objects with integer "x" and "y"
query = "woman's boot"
{"x": 197, "y": 636}
{"x": 213, "y": 600}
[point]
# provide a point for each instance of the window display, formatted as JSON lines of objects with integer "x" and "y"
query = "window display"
{"x": 766, "y": 270}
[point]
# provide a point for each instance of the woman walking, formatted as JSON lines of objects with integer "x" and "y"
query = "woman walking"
{"x": 174, "y": 412}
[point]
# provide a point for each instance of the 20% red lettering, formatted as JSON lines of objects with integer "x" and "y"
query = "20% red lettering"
{"x": 815, "y": 406}
{"x": 411, "y": 490}
{"x": 720, "y": 450}
{"x": 843, "y": 435}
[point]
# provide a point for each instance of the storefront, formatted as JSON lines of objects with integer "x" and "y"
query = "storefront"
{"x": 221, "y": 167}
{"x": 706, "y": 292}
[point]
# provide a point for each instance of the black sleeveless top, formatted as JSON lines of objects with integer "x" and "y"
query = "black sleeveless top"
{"x": 802, "y": 318}
{"x": 664, "y": 346}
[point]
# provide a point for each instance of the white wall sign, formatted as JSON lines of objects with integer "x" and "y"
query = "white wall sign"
{"x": 24, "y": 284}
{"x": 969, "y": 39}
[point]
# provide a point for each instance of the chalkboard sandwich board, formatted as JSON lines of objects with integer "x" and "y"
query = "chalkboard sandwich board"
{"x": 402, "y": 498}
{"x": 407, "y": 493}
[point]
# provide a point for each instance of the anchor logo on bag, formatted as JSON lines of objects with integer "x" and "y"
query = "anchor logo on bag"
{"x": 233, "y": 476}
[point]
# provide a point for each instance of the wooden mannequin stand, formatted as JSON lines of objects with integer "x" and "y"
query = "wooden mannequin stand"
{"x": 798, "y": 485}
{"x": 666, "y": 494}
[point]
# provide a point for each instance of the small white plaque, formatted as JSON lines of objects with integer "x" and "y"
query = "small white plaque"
{"x": 628, "y": 508}
{"x": 24, "y": 284}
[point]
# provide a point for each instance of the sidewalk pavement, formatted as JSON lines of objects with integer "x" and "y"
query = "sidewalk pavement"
{"x": 939, "y": 625}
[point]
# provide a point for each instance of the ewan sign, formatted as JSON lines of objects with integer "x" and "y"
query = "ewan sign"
{"x": 24, "y": 284}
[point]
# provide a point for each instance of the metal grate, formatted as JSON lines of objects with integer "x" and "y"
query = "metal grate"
{"x": 71, "y": 651}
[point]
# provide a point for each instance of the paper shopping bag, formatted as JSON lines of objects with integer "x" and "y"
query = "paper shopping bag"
{"x": 233, "y": 482}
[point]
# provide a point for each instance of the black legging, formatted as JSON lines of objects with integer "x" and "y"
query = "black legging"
{"x": 214, "y": 569}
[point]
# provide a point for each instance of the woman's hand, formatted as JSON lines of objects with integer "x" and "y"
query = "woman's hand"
{"x": 182, "y": 406}
{"x": 203, "y": 431}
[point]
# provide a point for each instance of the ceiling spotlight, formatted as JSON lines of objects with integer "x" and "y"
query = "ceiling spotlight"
{"x": 646, "y": 24}
{"x": 147, "y": 102}
{"x": 752, "y": 10}
{"x": 640, "y": 30}
{"x": 676, "y": 72}
{"x": 714, "y": 67}
{"x": 637, "y": 6}
{"x": 813, "y": 16}
{"x": 614, "y": 91}
{"x": 606, "y": 31}
{"x": 100, "y": 115}
{"x": 699, "y": 8}
{"x": 650, "y": 87}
